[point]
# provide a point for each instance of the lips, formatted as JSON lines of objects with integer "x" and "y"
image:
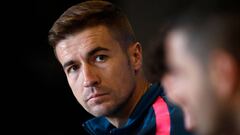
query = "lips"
{"x": 92, "y": 96}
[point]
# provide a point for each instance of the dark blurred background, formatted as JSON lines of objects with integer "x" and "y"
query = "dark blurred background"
{"x": 39, "y": 99}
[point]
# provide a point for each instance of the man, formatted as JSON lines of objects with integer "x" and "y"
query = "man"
{"x": 202, "y": 55}
{"x": 102, "y": 60}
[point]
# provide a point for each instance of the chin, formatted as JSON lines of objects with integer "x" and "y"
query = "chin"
{"x": 98, "y": 111}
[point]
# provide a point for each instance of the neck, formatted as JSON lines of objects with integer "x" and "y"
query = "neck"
{"x": 233, "y": 118}
{"x": 237, "y": 113}
{"x": 120, "y": 118}
{"x": 236, "y": 110}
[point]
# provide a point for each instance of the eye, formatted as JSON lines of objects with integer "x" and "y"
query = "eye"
{"x": 72, "y": 69}
{"x": 101, "y": 58}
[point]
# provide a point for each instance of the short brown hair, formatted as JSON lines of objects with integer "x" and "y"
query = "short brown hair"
{"x": 88, "y": 14}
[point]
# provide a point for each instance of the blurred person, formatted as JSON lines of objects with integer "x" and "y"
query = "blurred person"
{"x": 96, "y": 46}
{"x": 200, "y": 68}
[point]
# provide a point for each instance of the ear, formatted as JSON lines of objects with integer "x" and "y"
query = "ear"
{"x": 135, "y": 55}
{"x": 223, "y": 74}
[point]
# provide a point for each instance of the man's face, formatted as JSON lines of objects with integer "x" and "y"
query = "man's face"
{"x": 187, "y": 84}
{"x": 98, "y": 71}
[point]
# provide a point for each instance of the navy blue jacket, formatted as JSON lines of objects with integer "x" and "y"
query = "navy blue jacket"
{"x": 153, "y": 115}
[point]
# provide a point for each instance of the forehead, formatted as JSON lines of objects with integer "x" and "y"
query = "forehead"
{"x": 176, "y": 43}
{"x": 84, "y": 41}
{"x": 177, "y": 50}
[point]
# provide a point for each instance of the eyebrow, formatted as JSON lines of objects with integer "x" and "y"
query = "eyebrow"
{"x": 89, "y": 54}
{"x": 71, "y": 62}
{"x": 95, "y": 50}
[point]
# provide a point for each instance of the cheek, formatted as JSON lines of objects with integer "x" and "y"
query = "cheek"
{"x": 177, "y": 90}
{"x": 181, "y": 89}
{"x": 195, "y": 88}
{"x": 119, "y": 73}
{"x": 171, "y": 89}
{"x": 77, "y": 89}
{"x": 121, "y": 80}
{"x": 74, "y": 85}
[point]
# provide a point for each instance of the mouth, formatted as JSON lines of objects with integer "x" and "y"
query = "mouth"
{"x": 95, "y": 96}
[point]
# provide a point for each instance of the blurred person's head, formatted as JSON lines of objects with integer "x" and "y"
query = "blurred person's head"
{"x": 202, "y": 57}
{"x": 95, "y": 44}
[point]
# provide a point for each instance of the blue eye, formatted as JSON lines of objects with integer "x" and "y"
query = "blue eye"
{"x": 100, "y": 58}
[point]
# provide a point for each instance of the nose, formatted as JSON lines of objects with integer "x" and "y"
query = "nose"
{"x": 90, "y": 77}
